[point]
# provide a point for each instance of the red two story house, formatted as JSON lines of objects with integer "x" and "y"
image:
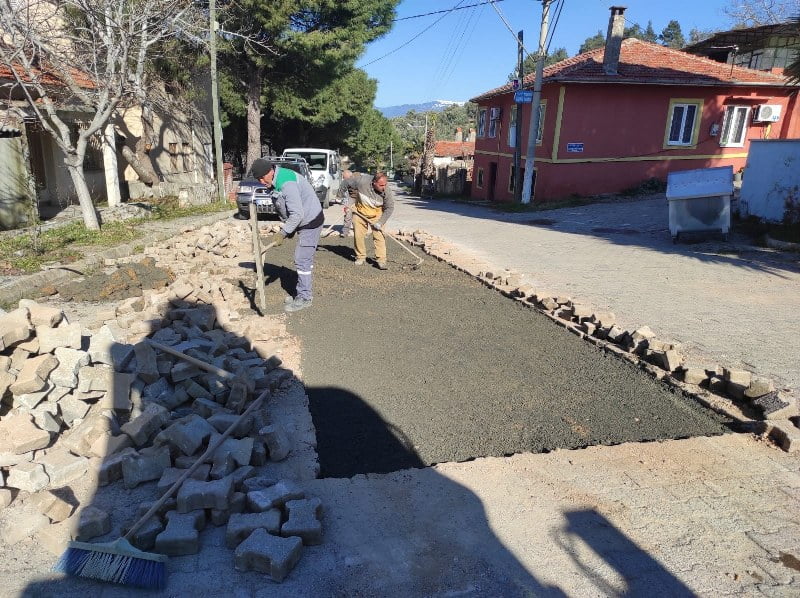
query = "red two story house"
{"x": 616, "y": 116}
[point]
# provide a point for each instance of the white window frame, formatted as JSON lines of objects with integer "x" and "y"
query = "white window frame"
{"x": 686, "y": 125}
{"x": 729, "y": 119}
{"x": 493, "y": 122}
{"x": 540, "y": 132}
{"x": 482, "y": 122}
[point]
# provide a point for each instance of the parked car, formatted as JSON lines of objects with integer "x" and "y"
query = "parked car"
{"x": 252, "y": 191}
{"x": 325, "y": 165}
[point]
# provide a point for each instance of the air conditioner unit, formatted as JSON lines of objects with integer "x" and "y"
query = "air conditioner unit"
{"x": 494, "y": 114}
{"x": 768, "y": 113}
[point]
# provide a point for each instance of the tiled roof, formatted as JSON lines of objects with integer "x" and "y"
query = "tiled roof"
{"x": 648, "y": 63}
{"x": 48, "y": 78}
{"x": 454, "y": 149}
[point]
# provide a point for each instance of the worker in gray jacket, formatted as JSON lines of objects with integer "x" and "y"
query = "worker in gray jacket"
{"x": 299, "y": 209}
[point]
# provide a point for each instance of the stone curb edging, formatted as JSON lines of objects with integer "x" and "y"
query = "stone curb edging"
{"x": 782, "y": 245}
{"x": 21, "y": 287}
{"x": 721, "y": 404}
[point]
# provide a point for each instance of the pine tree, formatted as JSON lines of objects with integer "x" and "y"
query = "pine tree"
{"x": 671, "y": 36}
{"x": 590, "y": 43}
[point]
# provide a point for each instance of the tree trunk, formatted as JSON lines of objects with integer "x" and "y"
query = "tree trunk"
{"x": 253, "y": 116}
{"x": 75, "y": 168}
{"x": 145, "y": 175}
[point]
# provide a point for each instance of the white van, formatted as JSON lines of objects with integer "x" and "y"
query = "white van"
{"x": 325, "y": 168}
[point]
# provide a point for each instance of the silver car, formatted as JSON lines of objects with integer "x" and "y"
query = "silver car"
{"x": 252, "y": 191}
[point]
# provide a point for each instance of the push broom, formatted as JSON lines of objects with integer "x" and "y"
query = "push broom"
{"x": 119, "y": 561}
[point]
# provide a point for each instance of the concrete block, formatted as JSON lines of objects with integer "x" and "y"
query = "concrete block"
{"x": 109, "y": 346}
{"x": 18, "y": 435}
{"x": 108, "y": 445}
{"x": 241, "y": 474}
{"x": 257, "y": 483}
{"x": 195, "y": 390}
{"x": 147, "y": 424}
{"x": 146, "y": 366}
{"x": 277, "y": 441}
{"x": 222, "y": 466}
{"x": 6, "y": 497}
{"x": 205, "y": 408}
{"x": 15, "y": 327}
{"x": 54, "y": 505}
{"x": 8, "y": 459}
{"x": 72, "y": 409}
{"x": 304, "y": 521}
{"x": 238, "y": 505}
{"x": 62, "y": 467}
{"x": 95, "y": 377}
{"x": 30, "y": 477}
{"x": 91, "y": 522}
{"x": 154, "y": 391}
{"x": 259, "y": 456}
{"x": 31, "y": 399}
{"x": 137, "y": 469}
{"x": 145, "y": 537}
{"x": 241, "y": 525}
{"x": 42, "y": 315}
{"x": 240, "y": 449}
{"x": 50, "y": 339}
{"x": 46, "y": 416}
{"x": 110, "y": 468}
{"x": 181, "y": 536}
{"x": 171, "y": 475}
{"x": 237, "y": 397}
{"x": 222, "y": 421}
{"x": 195, "y": 494}
{"x": 54, "y": 538}
{"x": 737, "y": 381}
{"x": 33, "y": 375}
{"x": 268, "y": 554}
{"x": 759, "y": 387}
{"x": 6, "y": 380}
{"x": 187, "y": 434}
{"x": 82, "y": 437}
{"x": 694, "y": 376}
{"x": 183, "y": 371}
{"x": 119, "y": 395}
{"x": 775, "y": 406}
{"x": 274, "y": 496}
{"x": 70, "y": 361}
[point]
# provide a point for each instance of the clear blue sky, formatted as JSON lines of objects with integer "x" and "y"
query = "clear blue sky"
{"x": 470, "y": 51}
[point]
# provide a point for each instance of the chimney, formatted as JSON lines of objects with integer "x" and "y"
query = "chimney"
{"x": 459, "y": 135}
{"x": 616, "y": 28}
{"x": 471, "y": 136}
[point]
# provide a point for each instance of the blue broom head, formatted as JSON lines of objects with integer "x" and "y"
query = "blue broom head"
{"x": 117, "y": 562}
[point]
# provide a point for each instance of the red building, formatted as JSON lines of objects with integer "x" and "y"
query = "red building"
{"x": 617, "y": 116}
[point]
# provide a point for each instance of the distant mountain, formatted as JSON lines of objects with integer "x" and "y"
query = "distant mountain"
{"x": 432, "y": 106}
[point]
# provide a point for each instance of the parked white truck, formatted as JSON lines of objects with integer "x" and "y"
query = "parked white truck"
{"x": 326, "y": 170}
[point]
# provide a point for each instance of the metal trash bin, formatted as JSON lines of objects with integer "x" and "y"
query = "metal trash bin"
{"x": 700, "y": 201}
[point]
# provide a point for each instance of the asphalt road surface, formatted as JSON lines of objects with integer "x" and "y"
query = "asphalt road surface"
{"x": 407, "y": 368}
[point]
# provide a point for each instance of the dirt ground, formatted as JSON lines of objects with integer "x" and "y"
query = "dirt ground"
{"x": 407, "y": 368}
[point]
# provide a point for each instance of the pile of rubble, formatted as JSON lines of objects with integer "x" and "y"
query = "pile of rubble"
{"x": 659, "y": 358}
{"x": 125, "y": 403}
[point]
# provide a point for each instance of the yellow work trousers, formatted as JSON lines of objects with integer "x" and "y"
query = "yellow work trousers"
{"x": 360, "y": 240}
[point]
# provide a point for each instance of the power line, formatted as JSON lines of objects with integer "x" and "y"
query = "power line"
{"x": 401, "y": 46}
{"x": 510, "y": 29}
{"x": 436, "y": 12}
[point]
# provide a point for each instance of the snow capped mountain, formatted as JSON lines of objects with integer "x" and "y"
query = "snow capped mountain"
{"x": 432, "y": 106}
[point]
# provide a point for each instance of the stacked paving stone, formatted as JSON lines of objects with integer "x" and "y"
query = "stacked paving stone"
{"x": 661, "y": 359}
{"x": 101, "y": 402}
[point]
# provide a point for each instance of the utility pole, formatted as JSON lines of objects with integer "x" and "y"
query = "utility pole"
{"x": 518, "y": 126}
{"x": 533, "y": 129}
{"x": 212, "y": 10}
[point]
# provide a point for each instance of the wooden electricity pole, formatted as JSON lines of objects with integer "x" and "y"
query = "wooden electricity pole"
{"x": 518, "y": 126}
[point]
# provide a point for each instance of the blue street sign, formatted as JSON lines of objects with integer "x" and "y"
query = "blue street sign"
{"x": 523, "y": 96}
{"x": 575, "y": 147}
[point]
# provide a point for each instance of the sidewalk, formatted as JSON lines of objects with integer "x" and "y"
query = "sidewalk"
{"x": 728, "y": 304}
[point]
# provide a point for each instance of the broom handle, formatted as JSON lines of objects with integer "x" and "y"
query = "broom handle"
{"x": 209, "y": 451}
{"x": 193, "y": 360}
{"x": 398, "y": 241}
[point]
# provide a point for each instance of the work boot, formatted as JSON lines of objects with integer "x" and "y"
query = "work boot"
{"x": 288, "y": 299}
{"x": 359, "y": 262}
{"x": 383, "y": 266}
{"x": 297, "y": 305}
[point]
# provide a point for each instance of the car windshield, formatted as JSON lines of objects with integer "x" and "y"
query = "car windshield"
{"x": 315, "y": 161}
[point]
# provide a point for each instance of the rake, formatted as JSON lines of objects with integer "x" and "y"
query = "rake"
{"x": 398, "y": 241}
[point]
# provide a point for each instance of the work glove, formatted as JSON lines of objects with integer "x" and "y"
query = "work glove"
{"x": 376, "y": 226}
{"x": 278, "y": 238}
